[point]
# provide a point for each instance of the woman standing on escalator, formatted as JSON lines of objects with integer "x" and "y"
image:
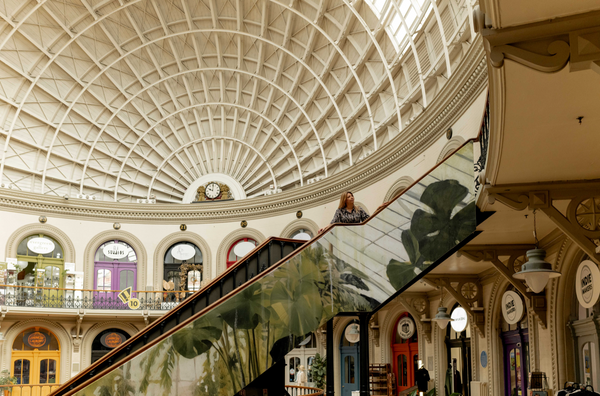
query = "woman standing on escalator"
{"x": 349, "y": 213}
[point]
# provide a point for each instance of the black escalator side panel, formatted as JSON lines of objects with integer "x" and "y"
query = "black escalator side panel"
{"x": 273, "y": 380}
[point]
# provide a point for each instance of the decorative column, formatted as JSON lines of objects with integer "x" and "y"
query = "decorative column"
{"x": 330, "y": 372}
{"x": 364, "y": 354}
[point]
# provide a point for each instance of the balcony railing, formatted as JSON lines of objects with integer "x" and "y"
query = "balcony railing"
{"x": 28, "y": 390}
{"x": 45, "y": 297}
{"x": 295, "y": 390}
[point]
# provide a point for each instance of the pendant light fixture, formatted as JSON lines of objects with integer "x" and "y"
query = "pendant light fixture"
{"x": 442, "y": 318}
{"x": 536, "y": 272}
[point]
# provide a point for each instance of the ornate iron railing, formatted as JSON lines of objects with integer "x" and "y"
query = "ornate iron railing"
{"x": 44, "y": 297}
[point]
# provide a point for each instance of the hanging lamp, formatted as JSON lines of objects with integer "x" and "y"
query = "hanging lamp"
{"x": 536, "y": 272}
{"x": 442, "y": 318}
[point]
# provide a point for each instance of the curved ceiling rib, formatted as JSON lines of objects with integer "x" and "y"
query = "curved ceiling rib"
{"x": 123, "y": 99}
{"x": 215, "y": 138}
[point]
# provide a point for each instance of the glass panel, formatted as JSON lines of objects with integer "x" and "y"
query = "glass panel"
{"x": 43, "y": 371}
{"x": 52, "y": 276}
{"x": 587, "y": 364}
{"x": 519, "y": 372}
{"x": 194, "y": 278}
{"x": 51, "y": 371}
{"x": 294, "y": 364}
{"x": 21, "y": 370}
{"x": 309, "y": 363}
{"x": 403, "y": 370}
{"x": 349, "y": 369}
{"x": 125, "y": 279}
{"x": 267, "y": 316}
{"x": 104, "y": 281}
{"x": 513, "y": 374}
{"x": 415, "y": 368}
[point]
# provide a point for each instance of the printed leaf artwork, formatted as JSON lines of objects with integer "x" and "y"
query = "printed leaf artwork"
{"x": 348, "y": 270}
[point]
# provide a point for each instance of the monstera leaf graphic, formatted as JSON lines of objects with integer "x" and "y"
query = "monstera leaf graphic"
{"x": 438, "y": 231}
{"x": 400, "y": 273}
{"x": 197, "y": 338}
{"x": 248, "y": 311}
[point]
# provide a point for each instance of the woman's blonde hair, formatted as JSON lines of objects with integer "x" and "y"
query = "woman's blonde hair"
{"x": 343, "y": 199}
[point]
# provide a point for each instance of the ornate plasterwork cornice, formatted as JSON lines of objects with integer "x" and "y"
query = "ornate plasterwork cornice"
{"x": 466, "y": 84}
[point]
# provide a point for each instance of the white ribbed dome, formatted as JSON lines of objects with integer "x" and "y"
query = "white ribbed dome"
{"x": 128, "y": 99}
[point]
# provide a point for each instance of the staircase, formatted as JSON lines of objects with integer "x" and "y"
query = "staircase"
{"x": 242, "y": 325}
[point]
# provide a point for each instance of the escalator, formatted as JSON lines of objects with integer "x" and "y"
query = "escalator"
{"x": 229, "y": 334}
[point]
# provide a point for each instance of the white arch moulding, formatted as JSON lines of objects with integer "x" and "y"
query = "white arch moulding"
{"x": 63, "y": 336}
{"x": 213, "y": 138}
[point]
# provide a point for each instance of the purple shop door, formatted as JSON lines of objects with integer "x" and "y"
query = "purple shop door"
{"x": 109, "y": 279}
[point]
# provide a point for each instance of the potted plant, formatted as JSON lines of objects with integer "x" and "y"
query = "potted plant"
{"x": 6, "y": 379}
{"x": 319, "y": 371}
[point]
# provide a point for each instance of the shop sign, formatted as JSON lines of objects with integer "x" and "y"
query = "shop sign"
{"x": 35, "y": 339}
{"x": 406, "y": 328}
{"x": 512, "y": 307}
{"x": 352, "y": 333}
{"x": 40, "y": 245}
{"x": 459, "y": 319}
{"x": 114, "y": 250}
{"x": 183, "y": 252}
{"x": 586, "y": 286}
{"x": 112, "y": 340}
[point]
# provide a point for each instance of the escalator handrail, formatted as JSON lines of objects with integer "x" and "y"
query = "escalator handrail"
{"x": 189, "y": 300}
{"x": 235, "y": 291}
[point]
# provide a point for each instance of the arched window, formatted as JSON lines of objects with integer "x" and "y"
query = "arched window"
{"x": 303, "y": 354}
{"x": 583, "y": 322}
{"x": 458, "y": 348}
{"x": 183, "y": 267}
{"x": 302, "y": 234}
{"x": 515, "y": 344}
{"x": 35, "y": 357}
{"x": 115, "y": 269}
{"x": 236, "y": 252}
{"x": 40, "y": 262}
{"x": 106, "y": 341}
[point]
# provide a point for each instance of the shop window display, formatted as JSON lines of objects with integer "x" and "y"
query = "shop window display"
{"x": 39, "y": 270}
{"x": 303, "y": 355}
{"x": 182, "y": 269}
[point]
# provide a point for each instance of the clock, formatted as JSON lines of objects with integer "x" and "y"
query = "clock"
{"x": 212, "y": 190}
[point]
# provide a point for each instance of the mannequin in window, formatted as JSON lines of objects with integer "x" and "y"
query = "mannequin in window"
{"x": 301, "y": 378}
{"x": 422, "y": 379}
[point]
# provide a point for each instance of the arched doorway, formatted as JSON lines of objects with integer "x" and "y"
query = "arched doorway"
{"x": 349, "y": 358}
{"x": 583, "y": 323}
{"x": 36, "y": 357}
{"x": 405, "y": 351}
{"x": 182, "y": 263}
{"x": 115, "y": 269}
{"x": 458, "y": 349}
{"x": 106, "y": 341}
{"x": 40, "y": 262}
{"x": 232, "y": 257}
{"x": 515, "y": 344}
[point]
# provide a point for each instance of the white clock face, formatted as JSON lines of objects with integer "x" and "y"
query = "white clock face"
{"x": 213, "y": 191}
